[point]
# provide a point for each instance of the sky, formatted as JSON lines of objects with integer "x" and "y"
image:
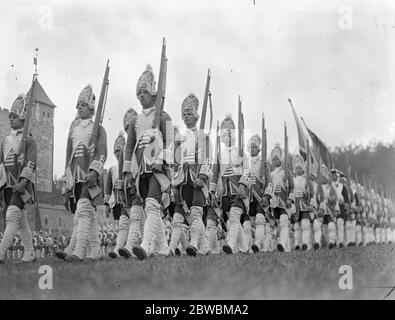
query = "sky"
{"x": 332, "y": 58}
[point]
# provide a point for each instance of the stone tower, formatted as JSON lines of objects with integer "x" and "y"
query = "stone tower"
{"x": 42, "y": 129}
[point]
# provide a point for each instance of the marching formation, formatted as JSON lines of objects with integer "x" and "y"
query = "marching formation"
{"x": 177, "y": 191}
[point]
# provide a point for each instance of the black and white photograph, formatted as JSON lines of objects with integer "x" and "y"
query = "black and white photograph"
{"x": 216, "y": 152}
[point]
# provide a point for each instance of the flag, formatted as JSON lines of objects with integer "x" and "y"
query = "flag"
{"x": 319, "y": 145}
{"x": 302, "y": 136}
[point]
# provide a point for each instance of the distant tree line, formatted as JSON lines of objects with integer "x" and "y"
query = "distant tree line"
{"x": 374, "y": 162}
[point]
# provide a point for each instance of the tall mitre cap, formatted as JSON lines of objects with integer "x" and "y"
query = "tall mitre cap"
{"x": 325, "y": 171}
{"x": 227, "y": 123}
{"x": 128, "y": 117}
{"x": 277, "y": 152}
{"x": 147, "y": 81}
{"x": 19, "y": 106}
{"x": 298, "y": 161}
{"x": 190, "y": 103}
{"x": 87, "y": 96}
{"x": 119, "y": 142}
{"x": 255, "y": 140}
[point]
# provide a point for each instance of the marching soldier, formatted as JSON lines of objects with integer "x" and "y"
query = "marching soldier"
{"x": 111, "y": 197}
{"x": 231, "y": 177}
{"x": 316, "y": 222}
{"x": 358, "y": 216}
{"x": 351, "y": 216}
{"x": 366, "y": 209}
{"x": 124, "y": 199}
{"x": 17, "y": 171}
{"x": 148, "y": 153}
{"x": 260, "y": 195}
{"x": 343, "y": 201}
{"x": 81, "y": 179}
{"x": 282, "y": 201}
{"x": 302, "y": 225}
{"x": 190, "y": 181}
{"x": 372, "y": 216}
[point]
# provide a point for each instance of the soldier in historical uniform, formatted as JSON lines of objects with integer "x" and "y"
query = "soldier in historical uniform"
{"x": 350, "y": 224}
{"x": 338, "y": 180}
{"x": 303, "y": 206}
{"x": 81, "y": 179}
{"x": 231, "y": 181}
{"x": 112, "y": 199}
{"x": 121, "y": 193}
{"x": 191, "y": 179}
{"x": 282, "y": 200}
{"x": 359, "y": 211}
{"x": 372, "y": 218}
{"x": 17, "y": 172}
{"x": 316, "y": 222}
{"x": 149, "y": 151}
{"x": 260, "y": 195}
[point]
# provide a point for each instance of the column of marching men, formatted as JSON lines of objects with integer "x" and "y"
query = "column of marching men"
{"x": 172, "y": 193}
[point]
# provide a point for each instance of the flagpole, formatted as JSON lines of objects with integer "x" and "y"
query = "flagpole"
{"x": 35, "y": 61}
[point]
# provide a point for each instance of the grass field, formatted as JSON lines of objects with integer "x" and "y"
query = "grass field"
{"x": 295, "y": 275}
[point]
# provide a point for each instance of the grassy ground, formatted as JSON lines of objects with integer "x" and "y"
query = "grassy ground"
{"x": 296, "y": 275}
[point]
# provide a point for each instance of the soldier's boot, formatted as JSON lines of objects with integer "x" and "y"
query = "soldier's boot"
{"x": 246, "y": 239}
{"x": 94, "y": 252}
{"x": 283, "y": 242}
{"x": 233, "y": 230}
{"x": 134, "y": 232}
{"x": 124, "y": 224}
{"x": 340, "y": 232}
{"x": 260, "y": 233}
{"x": 358, "y": 235}
{"x": 306, "y": 230}
{"x": 73, "y": 240}
{"x": 268, "y": 244}
{"x": 162, "y": 246}
{"x": 86, "y": 213}
{"x": 152, "y": 208}
{"x": 197, "y": 227}
{"x": 211, "y": 232}
{"x": 27, "y": 239}
{"x": 176, "y": 234}
{"x": 331, "y": 235}
{"x": 203, "y": 243}
{"x": 317, "y": 233}
{"x": 297, "y": 235}
{"x": 13, "y": 218}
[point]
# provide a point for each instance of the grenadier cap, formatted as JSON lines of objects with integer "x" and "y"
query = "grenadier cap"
{"x": 276, "y": 153}
{"x": 87, "y": 97}
{"x": 190, "y": 103}
{"x": 119, "y": 142}
{"x": 19, "y": 106}
{"x": 255, "y": 140}
{"x": 227, "y": 125}
{"x": 128, "y": 117}
{"x": 298, "y": 161}
{"x": 147, "y": 81}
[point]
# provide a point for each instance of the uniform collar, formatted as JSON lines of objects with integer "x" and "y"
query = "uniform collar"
{"x": 16, "y": 132}
{"x": 148, "y": 111}
{"x": 85, "y": 122}
{"x": 255, "y": 158}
